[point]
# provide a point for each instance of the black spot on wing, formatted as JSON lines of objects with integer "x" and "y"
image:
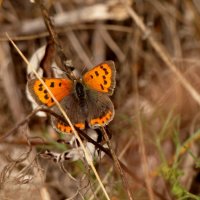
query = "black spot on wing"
{"x": 96, "y": 73}
{"x": 52, "y": 84}
{"x": 106, "y": 71}
{"x": 46, "y": 96}
{"x": 102, "y": 87}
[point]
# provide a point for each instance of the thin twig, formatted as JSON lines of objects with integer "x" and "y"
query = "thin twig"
{"x": 111, "y": 168}
{"x": 23, "y": 121}
{"x": 28, "y": 117}
{"x": 66, "y": 65}
{"x": 117, "y": 164}
{"x": 111, "y": 27}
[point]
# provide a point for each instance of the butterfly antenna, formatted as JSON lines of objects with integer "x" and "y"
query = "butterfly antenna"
{"x": 57, "y": 68}
{"x": 63, "y": 71}
{"x": 83, "y": 69}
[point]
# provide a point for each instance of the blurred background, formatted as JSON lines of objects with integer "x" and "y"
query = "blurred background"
{"x": 155, "y": 130}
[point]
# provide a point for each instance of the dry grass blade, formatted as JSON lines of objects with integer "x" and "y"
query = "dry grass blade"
{"x": 86, "y": 153}
{"x": 10, "y": 84}
{"x": 163, "y": 54}
{"x": 78, "y": 48}
{"x": 111, "y": 168}
{"x": 112, "y": 44}
{"x": 117, "y": 28}
{"x": 117, "y": 164}
{"x": 142, "y": 148}
{"x": 44, "y": 194}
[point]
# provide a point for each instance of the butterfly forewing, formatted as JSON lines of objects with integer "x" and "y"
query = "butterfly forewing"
{"x": 101, "y": 78}
{"x": 59, "y": 88}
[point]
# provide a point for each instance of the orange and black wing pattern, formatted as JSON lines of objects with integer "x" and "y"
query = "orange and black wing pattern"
{"x": 77, "y": 117}
{"x": 59, "y": 88}
{"x": 101, "y": 78}
{"x": 100, "y": 109}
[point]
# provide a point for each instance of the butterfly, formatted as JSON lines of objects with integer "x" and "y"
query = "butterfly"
{"x": 85, "y": 100}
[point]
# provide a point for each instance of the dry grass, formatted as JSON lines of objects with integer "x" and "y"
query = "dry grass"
{"x": 156, "y": 98}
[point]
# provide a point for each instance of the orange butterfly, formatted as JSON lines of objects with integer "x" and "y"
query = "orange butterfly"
{"x": 85, "y": 100}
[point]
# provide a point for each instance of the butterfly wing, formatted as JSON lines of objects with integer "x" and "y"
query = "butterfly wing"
{"x": 100, "y": 109}
{"x": 59, "y": 88}
{"x": 101, "y": 78}
{"x": 72, "y": 108}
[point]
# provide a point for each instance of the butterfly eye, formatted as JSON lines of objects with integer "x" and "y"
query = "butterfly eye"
{"x": 65, "y": 156}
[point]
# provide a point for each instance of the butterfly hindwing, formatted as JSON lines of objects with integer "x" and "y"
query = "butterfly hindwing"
{"x": 101, "y": 78}
{"x": 101, "y": 112}
{"x": 72, "y": 107}
{"x": 59, "y": 88}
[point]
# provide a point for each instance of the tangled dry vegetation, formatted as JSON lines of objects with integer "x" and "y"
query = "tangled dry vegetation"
{"x": 155, "y": 133}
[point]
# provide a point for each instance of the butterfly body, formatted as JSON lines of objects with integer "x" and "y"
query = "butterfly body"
{"x": 85, "y": 100}
{"x": 80, "y": 93}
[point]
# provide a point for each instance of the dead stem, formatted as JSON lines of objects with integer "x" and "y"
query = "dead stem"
{"x": 140, "y": 134}
{"x": 22, "y": 122}
{"x": 117, "y": 164}
{"x": 43, "y": 34}
{"x": 54, "y": 37}
{"x": 163, "y": 54}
